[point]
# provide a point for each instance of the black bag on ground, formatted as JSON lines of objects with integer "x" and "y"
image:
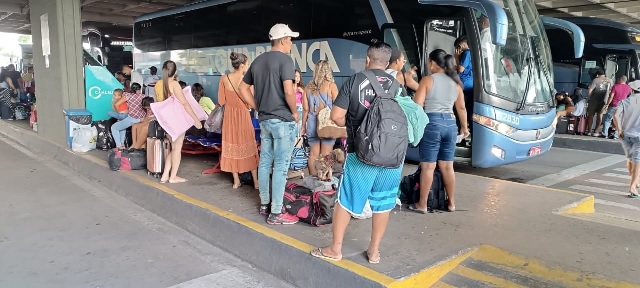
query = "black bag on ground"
{"x": 105, "y": 138}
{"x": 155, "y": 131}
{"x": 127, "y": 159}
{"x": 382, "y": 138}
{"x": 410, "y": 191}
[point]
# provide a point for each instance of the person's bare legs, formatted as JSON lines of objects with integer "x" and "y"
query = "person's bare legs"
{"x": 589, "y": 123}
{"x": 236, "y": 180}
{"x": 426, "y": 179}
{"x": 598, "y": 129}
{"x": 635, "y": 177}
{"x": 167, "y": 165}
{"x": 378, "y": 227}
{"x": 134, "y": 135}
{"x": 341, "y": 220}
{"x": 140, "y": 132}
{"x": 449, "y": 178}
{"x": 558, "y": 115}
{"x": 325, "y": 149}
{"x": 314, "y": 154}
{"x": 254, "y": 175}
{"x": 176, "y": 157}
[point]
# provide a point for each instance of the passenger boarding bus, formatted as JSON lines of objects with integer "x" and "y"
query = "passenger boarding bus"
{"x": 513, "y": 108}
{"x": 610, "y": 46}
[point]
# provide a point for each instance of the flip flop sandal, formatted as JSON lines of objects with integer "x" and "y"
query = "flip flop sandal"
{"x": 631, "y": 195}
{"x": 414, "y": 208}
{"x": 374, "y": 260}
{"x": 318, "y": 253}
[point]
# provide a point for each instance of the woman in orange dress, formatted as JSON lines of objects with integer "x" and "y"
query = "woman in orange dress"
{"x": 239, "y": 146}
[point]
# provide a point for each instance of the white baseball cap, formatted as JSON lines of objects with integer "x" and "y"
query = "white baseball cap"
{"x": 635, "y": 85}
{"x": 280, "y": 31}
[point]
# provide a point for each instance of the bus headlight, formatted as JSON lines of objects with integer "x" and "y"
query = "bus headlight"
{"x": 497, "y": 151}
{"x": 494, "y": 125}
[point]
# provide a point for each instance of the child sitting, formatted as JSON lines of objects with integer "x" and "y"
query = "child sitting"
{"x": 122, "y": 111}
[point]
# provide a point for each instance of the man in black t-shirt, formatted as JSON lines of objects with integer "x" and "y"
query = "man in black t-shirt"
{"x": 361, "y": 182}
{"x": 16, "y": 78}
{"x": 271, "y": 75}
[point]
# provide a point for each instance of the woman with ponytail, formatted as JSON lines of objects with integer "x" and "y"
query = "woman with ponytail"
{"x": 438, "y": 93}
{"x": 176, "y": 115}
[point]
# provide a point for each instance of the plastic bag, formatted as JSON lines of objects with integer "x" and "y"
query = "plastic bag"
{"x": 366, "y": 213}
{"x": 84, "y": 139}
{"x": 214, "y": 122}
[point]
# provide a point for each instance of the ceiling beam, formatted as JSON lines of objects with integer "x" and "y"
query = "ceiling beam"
{"x": 114, "y": 19}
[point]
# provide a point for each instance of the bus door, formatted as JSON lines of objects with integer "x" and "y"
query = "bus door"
{"x": 617, "y": 65}
{"x": 405, "y": 38}
{"x": 441, "y": 34}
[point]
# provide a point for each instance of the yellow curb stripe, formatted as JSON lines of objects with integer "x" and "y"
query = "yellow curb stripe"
{"x": 497, "y": 256}
{"x": 584, "y": 206}
{"x": 433, "y": 274}
{"x": 302, "y": 246}
{"x": 484, "y": 278}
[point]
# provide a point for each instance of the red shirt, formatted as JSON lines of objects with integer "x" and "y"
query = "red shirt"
{"x": 620, "y": 92}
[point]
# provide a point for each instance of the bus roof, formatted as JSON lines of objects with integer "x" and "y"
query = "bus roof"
{"x": 185, "y": 8}
{"x": 601, "y": 22}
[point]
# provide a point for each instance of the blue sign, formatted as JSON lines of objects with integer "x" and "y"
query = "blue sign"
{"x": 99, "y": 85}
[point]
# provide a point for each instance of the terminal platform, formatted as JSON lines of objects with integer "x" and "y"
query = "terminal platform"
{"x": 503, "y": 234}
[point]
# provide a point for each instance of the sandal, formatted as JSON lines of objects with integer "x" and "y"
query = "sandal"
{"x": 177, "y": 180}
{"x": 318, "y": 253}
{"x": 373, "y": 260}
{"x": 414, "y": 208}
{"x": 634, "y": 195}
{"x": 451, "y": 209}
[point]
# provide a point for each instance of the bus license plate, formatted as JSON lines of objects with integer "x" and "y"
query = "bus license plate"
{"x": 535, "y": 151}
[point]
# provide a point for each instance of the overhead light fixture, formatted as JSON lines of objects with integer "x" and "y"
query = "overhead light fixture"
{"x": 107, "y": 35}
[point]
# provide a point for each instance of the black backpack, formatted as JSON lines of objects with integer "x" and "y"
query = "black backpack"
{"x": 382, "y": 138}
{"x": 410, "y": 191}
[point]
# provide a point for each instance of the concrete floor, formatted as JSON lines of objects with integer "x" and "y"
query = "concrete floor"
{"x": 58, "y": 230}
{"x": 508, "y": 215}
{"x": 513, "y": 218}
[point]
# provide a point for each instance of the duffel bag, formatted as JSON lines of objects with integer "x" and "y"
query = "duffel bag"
{"x": 297, "y": 201}
{"x": 127, "y": 160}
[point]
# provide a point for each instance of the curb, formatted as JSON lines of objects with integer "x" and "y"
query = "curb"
{"x": 586, "y": 143}
{"x": 256, "y": 244}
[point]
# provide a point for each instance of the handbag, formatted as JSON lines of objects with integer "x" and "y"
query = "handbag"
{"x": 214, "y": 122}
{"x": 326, "y": 127}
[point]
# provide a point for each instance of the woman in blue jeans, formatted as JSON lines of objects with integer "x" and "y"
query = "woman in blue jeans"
{"x": 438, "y": 93}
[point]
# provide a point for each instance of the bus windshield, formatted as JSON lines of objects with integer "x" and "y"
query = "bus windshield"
{"x": 521, "y": 70}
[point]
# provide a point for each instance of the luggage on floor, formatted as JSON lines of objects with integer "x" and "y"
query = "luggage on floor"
{"x": 576, "y": 125}
{"x": 21, "y": 111}
{"x": 315, "y": 208}
{"x": 563, "y": 125}
{"x": 127, "y": 160}
{"x": 84, "y": 139}
{"x": 157, "y": 152}
{"x": 105, "y": 138}
{"x": 409, "y": 192}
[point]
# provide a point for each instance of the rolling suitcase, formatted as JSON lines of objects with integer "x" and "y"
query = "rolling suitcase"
{"x": 581, "y": 124}
{"x": 563, "y": 125}
{"x": 157, "y": 152}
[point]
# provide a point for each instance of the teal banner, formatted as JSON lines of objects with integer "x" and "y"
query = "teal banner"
{"x": 99, "y": 84}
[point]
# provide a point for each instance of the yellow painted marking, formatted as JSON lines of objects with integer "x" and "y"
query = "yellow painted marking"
{"x": 496, "y": 256}
{"x": 485, "y": 278}
{"x": 345, "y": 264}
{"x": 441, "y": 285}
{"x": 585, "y": 206}
{"x": 433, "y": 274}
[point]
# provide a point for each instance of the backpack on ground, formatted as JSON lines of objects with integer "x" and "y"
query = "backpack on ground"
{"x": 409, "y": 192}
{"x": 127, "y": 160}
{"x": 382, "y": 138}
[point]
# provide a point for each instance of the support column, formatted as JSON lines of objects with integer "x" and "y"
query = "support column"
{"x": 58, "y": 63}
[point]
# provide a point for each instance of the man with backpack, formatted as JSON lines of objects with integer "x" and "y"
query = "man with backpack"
{"x": 377, "y": 141}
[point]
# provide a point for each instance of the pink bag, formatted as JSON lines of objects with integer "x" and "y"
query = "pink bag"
{"x": 173, "y": 118}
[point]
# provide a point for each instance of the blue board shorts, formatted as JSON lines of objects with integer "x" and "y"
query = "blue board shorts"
{"x": 361, "y": 182}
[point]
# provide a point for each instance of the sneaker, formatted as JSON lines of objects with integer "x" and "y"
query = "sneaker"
{"x": 264, "y": 210}
{"x": 282, "y": 218}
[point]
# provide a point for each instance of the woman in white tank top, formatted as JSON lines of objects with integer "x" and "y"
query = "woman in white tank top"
{"x": 438, "y": 94}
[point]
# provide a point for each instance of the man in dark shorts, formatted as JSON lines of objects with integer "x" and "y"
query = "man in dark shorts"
{"x": 597, "y": 95}
{"x": 272, "y": 74}
{"x": 361, "y": 182}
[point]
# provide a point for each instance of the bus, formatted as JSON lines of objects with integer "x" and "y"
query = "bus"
{"x": 610, "y": 46}
{"x": 513, "y": 105}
